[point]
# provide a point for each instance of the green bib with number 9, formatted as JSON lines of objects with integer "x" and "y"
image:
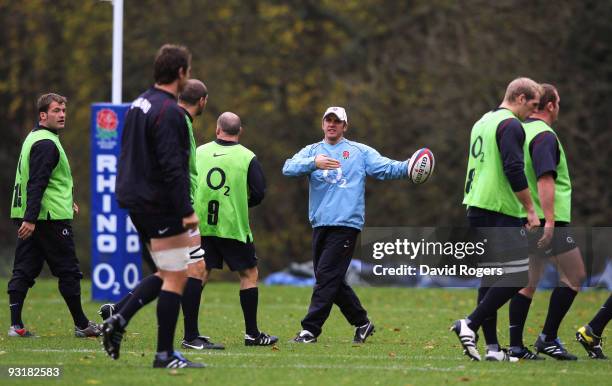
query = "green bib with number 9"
{"x": 222, "y": 197}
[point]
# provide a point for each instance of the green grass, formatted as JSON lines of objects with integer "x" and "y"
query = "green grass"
{"x": 412, "y": 345}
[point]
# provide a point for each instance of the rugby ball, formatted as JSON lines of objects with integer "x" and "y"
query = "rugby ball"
{"x": 421, "y": 165}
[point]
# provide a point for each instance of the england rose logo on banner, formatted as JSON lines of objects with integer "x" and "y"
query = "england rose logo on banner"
{"x": 345, "y": 154}
{"x": 106, "y": 124}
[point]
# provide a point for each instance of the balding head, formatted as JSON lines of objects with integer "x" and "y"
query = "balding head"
{"x": 524, "y": 86}
{"x": 229, "y": 123}
{"x": 193, "y": 92}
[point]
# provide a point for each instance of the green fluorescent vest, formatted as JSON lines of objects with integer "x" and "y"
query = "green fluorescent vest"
{"x": 563, "y": 185}
{"x": 193, "y": 172}
{"x": 57, "y": 201}
{"x": 486, "y": 185}
{"x": 222, "y": 198}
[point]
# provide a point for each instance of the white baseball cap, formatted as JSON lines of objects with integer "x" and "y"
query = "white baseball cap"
{"x": 337, "y": 111}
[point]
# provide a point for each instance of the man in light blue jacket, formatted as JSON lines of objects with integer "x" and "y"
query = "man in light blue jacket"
{"x": 337, "y": 169}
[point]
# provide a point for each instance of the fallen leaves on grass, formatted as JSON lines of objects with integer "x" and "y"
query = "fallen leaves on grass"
{"x": 429, "y": 345}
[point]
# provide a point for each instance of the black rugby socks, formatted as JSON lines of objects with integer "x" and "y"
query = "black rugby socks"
{"x": 602, "y": 317}
{"x": 191, "y": 307}
{"x": 519, "y": 308}
{"x": 492, "y": 301}
{"x": 560, "y": 302}
{"x": 168, "y": 307}
{"x": 145, "y": 292}
{"x": 76, "y": 310}
{"x": 16, "y": 300}
{"x": 248, "y": 301}
{"x": 489, "y": 324}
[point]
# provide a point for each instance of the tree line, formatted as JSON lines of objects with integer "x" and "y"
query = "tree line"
{"x": 410, "y": 74}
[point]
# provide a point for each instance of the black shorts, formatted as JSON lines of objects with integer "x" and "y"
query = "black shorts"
{"x": 506, "y": 238}
{"x": 237, "y": 255}
{"x": 563, "y": 240}
{"x": 157, "y": 226}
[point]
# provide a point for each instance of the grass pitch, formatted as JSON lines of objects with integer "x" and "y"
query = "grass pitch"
{"x": 412, "y": 345}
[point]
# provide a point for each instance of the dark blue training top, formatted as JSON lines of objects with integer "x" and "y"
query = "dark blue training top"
{"x": 545, "y": 153}
{"x": 153, "y": 170}
{"x": 510, "y": 140}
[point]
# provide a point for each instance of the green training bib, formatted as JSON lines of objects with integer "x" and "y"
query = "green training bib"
{"x": 222, "y": 198}
{"x": 56, "y": 203}
{"x": 486, "y": 185}
{"x": 563, "y": 184}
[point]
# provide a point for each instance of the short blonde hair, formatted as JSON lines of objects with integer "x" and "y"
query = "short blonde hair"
{"x": 523, "y": 85}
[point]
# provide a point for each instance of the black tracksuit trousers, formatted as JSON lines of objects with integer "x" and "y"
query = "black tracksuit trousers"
{"x": 333, "y": 248}
{"x": 52, "y": 241}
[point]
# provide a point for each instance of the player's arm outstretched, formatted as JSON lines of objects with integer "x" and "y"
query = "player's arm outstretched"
{"x": 383, "y": 168}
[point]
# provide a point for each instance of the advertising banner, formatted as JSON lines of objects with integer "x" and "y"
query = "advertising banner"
{"x": 115, "y": 247}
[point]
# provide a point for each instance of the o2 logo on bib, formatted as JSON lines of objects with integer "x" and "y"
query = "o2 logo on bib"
{"x": 334, "y": 176}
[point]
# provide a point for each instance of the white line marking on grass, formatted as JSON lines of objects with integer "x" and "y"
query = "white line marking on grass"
{"x": 212, "y": 353}
{"x": 503, "y": 368}
{"x": 72, "y": 350}
{"x": 344, "y": 367}
{"x": 463, "y": 368}
{"x": 293, "y": 306}
{"x": 342, "y": 356}
{"x": 462, "y": 364}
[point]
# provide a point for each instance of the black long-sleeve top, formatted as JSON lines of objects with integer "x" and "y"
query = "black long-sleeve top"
{"x": 510, "y": 140}
{"x": 545, "y": 153}
{"x": 153, "y": 170}
{"x": 44, "y": 157}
